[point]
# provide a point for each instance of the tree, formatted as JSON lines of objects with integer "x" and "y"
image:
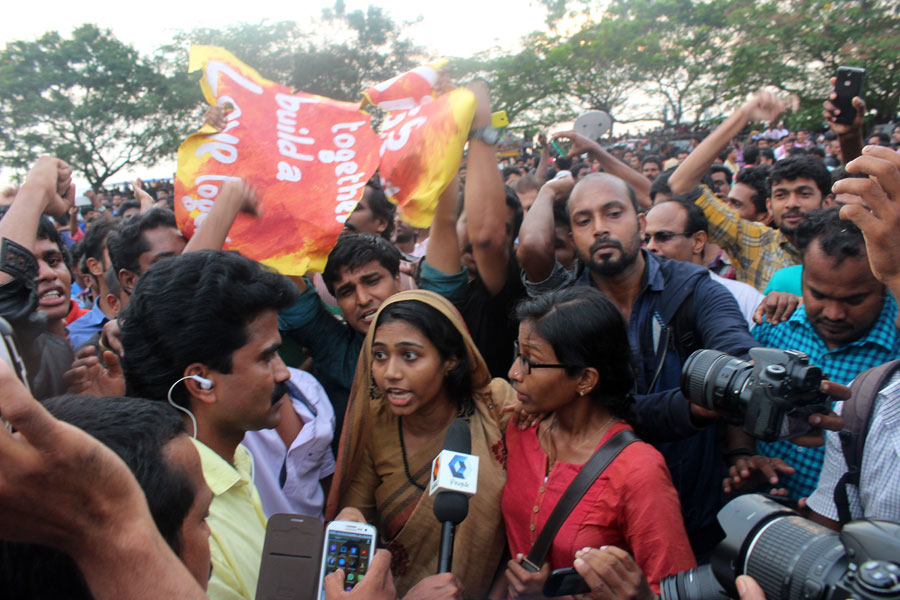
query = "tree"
{"x": 90, "y": 100}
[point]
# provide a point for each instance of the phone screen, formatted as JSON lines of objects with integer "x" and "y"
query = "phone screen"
{"x": 347, "y": 551}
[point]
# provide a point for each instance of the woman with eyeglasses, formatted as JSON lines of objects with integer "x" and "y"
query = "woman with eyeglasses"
{"x": 573, "y": 365}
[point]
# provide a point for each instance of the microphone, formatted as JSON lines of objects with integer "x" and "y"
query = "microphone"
{"x": 454, "y": 477}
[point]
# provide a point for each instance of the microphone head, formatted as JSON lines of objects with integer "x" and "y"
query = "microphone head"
{"x": 458, "y": 438}
{"x": 451, "y": 506}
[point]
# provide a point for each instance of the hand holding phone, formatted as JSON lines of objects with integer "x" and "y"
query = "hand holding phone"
{"x": 349, "y": 546}
{"x": 848, "y": 85}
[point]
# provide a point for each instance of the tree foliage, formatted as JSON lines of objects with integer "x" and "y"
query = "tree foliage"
{"x": 90, "y": 100}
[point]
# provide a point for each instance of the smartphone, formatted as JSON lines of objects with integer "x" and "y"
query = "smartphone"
{"x": 348, "y": 546}
{"x": 499, "y": 120}
{"x": 848, "y": 83}
{"x": 291, "y": 555}
{"x": 565, "y": 582}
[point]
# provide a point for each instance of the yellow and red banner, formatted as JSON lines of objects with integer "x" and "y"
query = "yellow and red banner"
{"x": 310, "y": 157}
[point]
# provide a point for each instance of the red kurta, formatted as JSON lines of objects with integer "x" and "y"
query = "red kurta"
{"x": 632, "y": 505}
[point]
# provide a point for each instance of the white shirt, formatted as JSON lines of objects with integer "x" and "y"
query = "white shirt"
{"x": 308, "y": 460}
{"x": 878, "y": 496}
{"x": 747, "y": 296}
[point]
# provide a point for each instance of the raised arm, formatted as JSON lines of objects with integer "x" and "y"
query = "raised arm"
{"x": 763, "y": 106}
{"x": 536, "y": 253}
{"x": 850, "y": 136}
{"x": 443, "y": 244}
{"x": 485, "y": 202}
{"x": 47, "y": 188}
{"x": 541, "y": 172}
{"x": 235, "y": 197}
{"x": 610, "y": 164}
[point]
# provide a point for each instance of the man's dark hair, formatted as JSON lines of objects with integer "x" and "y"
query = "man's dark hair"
{"x": 84, "y": 210}
{"x": 138, "y": 431}
{"x": 95, "y": 238}
{"x": 561, "y": 216}
{"x": 883, "y": 138}
{"x": 578, "y": 168}
{"x": 563, "y": 163}
{"x": 721, "y": 169}
{"x": 194, "y": 308}
{"x": 652, "y": 158}
{"x": 354, "y": 250}
{"x": 660, "y": 185}
{"x": 751, "y": 154}
{"x": 841, "y": 173}
{"x": 127, "y": 244}
{"x": 507, "y": 171}
{"x": 816, "y": 151}
{"x": 513, "y": 202}
{"x": 128, "y": 204}
{"x": 840, "y": 239}
{"x": 757, "y": 178}
{"x": 585, "y": 329}
{"x": 380, "y": 206}
{"x": 768, "y": 153}
{"x": 795, "y": 167}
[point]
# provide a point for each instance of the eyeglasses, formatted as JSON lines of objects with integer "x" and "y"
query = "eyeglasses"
{"x": 527, "y": 365}
{"x": 661, "y": 237}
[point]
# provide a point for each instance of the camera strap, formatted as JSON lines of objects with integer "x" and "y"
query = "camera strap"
{"x": 585, "y": 478}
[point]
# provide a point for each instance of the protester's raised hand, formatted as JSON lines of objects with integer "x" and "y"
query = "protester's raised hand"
{"x": 53, "y": 178}
{"x": 831, "y": 112}
{"x": 612, "y": 574}
{"x": 141, "y": 196}
{"x": 215, "y": 117}
{"x": 482, "y": 116}
{"x": 90, "y": 376}
{"x": 522, "y": 583}
{"x": 881, "y": 194}
{"x": 242, "y": 196}
{"x": 445, "y": 586}
{"x": 766, "y": 107}
{"x": 378, "y": 584}
{"x": 749, "y": 472}
{"x": 560, "y": 188}
{"x": 580, "y": 144}
{"x": 776, "y": 307}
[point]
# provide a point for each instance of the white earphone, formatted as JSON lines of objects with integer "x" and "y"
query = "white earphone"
{"x": 205, "y": 384}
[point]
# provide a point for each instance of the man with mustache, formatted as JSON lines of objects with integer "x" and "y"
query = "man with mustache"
{"x": 845, "y": 325}
{"x": 201, "y": 331}
{"x": 798, "y": 185}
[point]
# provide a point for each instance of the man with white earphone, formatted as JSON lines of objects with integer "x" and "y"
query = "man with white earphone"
{"x": 201, "y": 332}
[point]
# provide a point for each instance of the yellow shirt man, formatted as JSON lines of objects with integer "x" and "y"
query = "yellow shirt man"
{"x": 236, "y": 522}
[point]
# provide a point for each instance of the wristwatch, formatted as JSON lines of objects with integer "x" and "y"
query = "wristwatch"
{"x": 487, "y": 134}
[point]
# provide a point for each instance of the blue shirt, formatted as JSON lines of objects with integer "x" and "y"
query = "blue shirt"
{"x": 881, "y": 344}
{"x": 84, "y": 327}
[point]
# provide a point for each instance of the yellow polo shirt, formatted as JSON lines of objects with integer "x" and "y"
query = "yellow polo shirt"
{"x": 236, "y": 522}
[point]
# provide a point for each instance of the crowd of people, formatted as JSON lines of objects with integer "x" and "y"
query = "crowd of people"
{"x": 168, "y": 397}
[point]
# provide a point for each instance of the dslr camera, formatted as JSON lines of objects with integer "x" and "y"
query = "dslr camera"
{"x": 792, "y": 558}
{"x": 777, "y": 385}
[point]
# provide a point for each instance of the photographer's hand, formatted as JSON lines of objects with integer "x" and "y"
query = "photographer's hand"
{"x": 378, "y": 584}
{"x": 753, "y": 471}
{"x": 748, "y": 589}
{"x": 821, "y": 422}
{"x": 612, "y": 574}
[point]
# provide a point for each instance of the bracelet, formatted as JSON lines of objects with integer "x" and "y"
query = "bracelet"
{"x": 18, "y": 261}
{"x": 739, "y": 452}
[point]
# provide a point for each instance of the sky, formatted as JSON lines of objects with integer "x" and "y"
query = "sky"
{"x": 458, "y": 28}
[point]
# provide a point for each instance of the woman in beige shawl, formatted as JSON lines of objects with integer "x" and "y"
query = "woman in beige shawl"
{"x": 419, "y": 370}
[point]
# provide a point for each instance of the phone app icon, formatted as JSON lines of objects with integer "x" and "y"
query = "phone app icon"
{"x": 350, "y": 576}
{"x": 343, "y": 549}
{"x": 330, "y": 560}
{"x": 333, "y": 548}
{"x": 354, "y": 550}
{"x": 342, "y": 562}
{"x": 349, "y": 588}
{"x": 364, "y": 552}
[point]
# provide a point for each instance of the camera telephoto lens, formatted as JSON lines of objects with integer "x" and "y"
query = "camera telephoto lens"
{"x": 696, "y": 584}
{"x": 715, "y": 379}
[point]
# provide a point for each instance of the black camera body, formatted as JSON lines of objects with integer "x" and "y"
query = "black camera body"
{"x": 778, "y": 384}
{"x": 793, "y": 558}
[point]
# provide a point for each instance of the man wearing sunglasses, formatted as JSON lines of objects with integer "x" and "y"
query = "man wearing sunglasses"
{"x": 679, "y": 231}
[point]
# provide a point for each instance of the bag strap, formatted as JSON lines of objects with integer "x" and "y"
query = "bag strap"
{"x": 586, "y": 477}
{"x": 857, "y": 415}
